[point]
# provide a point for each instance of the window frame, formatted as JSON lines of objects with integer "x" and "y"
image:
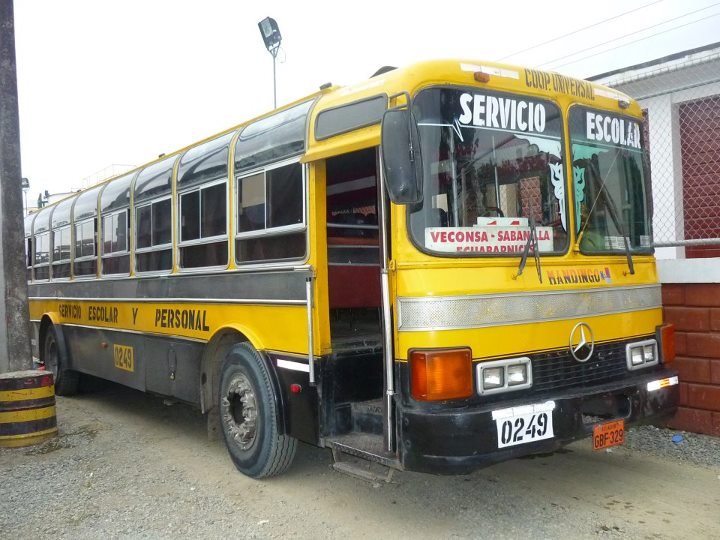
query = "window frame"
{"x": 563, "y": 137}
{"x": 216, "y": 239}
{"x": 114, "y": 254}
{"x": 203, "y": 239}
{"x": 328, "y": 121}
{"x": 127, "y": 242}
{"x": 646, "y": 186}
{"x": 272, "y": 231}
{"x": 159, "y": 247}
{"x": 94, "y": 254}
{"x": 46, "y": 232}
{"x": 55, "y": 263}
{"x": 85, "y": 258}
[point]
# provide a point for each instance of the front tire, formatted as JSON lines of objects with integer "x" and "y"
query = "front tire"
{"x": 249, "y": 416}
{"x": 55, "y": 359}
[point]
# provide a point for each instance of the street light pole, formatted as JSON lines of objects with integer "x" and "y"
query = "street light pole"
{"x": 274, "y": 82}
{"x": 270, "y": 33}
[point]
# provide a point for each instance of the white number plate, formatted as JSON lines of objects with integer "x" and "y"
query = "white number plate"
{"x": 525, "y": 424}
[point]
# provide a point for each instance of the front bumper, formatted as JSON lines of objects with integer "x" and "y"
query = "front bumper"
{"x": 457, "y": 441}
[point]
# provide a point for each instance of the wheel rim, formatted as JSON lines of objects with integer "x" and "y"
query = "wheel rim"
{"x": 51, "y": 355}
{"x": 239, "y": 411}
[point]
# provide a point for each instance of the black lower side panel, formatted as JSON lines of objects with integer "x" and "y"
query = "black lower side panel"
{"x": 163, "y": 365}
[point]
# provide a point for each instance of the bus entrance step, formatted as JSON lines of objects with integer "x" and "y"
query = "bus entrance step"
{"x": 363, "y": 472}
{"x": 367, "y": 416}
{"x": 367, "y": 446}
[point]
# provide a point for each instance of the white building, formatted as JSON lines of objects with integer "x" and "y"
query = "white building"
{"x": 681, "y": 96}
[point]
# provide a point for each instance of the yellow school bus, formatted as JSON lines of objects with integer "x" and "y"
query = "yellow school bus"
{"x": 442, "y": 267}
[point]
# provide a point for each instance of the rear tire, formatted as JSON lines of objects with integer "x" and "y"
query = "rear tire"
{"x": 249, "y": 416}
{"x": 55, "y": 359}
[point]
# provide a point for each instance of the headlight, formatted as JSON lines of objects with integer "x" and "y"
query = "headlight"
{"x": 641, "y": 354}
{"x": 517, "y": 374}
{"x": 493, "y": 378}
{"x": 504, "y": 375}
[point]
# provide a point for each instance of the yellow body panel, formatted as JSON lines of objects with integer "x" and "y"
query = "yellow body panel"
{"x": 497, "y": 277}
{"x": 267, "y": 327}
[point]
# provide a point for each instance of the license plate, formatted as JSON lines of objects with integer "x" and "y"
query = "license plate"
{"x": 124, "y": 357}
{"x": 608, "y": 434}
{"x": 526, "y": 424}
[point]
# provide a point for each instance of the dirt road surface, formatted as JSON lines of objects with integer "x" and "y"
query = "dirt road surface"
{"x": 130, "y": 465}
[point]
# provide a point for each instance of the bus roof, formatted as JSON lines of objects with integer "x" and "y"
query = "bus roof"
{"x": 368, "y": 99}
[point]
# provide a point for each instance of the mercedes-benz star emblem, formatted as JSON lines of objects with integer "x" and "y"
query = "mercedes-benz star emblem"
{"x": 582, "y": 342}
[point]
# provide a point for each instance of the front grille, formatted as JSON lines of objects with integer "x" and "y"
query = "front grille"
{"x": 558, "y": 369}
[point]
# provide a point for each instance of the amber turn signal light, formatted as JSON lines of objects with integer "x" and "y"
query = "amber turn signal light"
{"x": 441, "y": 374}
{"x": 666, "y": 336}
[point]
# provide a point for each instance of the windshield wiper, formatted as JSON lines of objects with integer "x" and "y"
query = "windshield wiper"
{"x": 594, "y": 169}
{"x": 532, "y": 238}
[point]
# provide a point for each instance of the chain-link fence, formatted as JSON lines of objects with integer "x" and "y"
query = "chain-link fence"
{"x": 680, "y": 95}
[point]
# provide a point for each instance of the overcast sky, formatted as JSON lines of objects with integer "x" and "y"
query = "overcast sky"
{"x": 121, "y": 81}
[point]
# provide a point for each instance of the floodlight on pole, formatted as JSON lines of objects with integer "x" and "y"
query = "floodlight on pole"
{"x": 271, "y": 37}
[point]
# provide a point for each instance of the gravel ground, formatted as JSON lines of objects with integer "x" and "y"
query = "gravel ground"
{"x": 126, "y": 465}
{"x": 694, "y": 448}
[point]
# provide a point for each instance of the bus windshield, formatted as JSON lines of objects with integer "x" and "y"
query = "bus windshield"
{"x": 611, "y": 201}
{"x": 493, "y": 166}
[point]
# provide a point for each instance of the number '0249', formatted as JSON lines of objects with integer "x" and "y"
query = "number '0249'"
{"x": 516, "y": 430}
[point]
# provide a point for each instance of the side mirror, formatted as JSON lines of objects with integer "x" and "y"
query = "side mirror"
{"x": 402, "y": 161}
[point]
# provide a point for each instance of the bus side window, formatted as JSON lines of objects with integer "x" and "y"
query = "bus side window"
{"x": 203, "y": 226}
{"x": 84, "y": 217}
{"x": 203, "y": 204}
{"x": 270, "y": 215}
{"x": 115, "y": 232}
{"x": 61, "y": 253}
{"x": 153, "y": 217}
{"x": 28, "y": 257}
{"x": 115, "y": 226}
{"x": 60, "y": 238}
{"x": 85, "y": 248}
{"x": 42, "y": 256}
{"x": 153, "y": 251}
